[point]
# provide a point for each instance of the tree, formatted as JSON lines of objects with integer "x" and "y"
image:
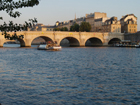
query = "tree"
{"x": 85, "y": 26}
{"x": 64, "y": 29}
{"x": 9, "y": 6}
{"x": 61, "y": 29}
{"x": 75, "y": 27}
{"x": 56, "y": 29}
{"x": 72, "y": 28}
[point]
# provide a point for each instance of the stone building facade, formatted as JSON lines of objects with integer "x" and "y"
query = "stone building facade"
{"x": 69, "y": 23}
{"x": 99, "y": 23}
{"x": 129, "y": 23}
{"x": 111, "y": 25}
{"x": 41, "y": 27}
{"x": 91, "y": 18}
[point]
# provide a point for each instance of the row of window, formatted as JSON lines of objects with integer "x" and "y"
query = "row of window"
{"x": 117, "y": 30}
{"x": 132, "y": 26}
{"x": 132, "y": 30}
{"x": 49, "y": 29}
{"x": 116, "y": 27}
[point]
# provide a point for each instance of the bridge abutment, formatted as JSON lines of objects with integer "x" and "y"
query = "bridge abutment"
{"x": 1, "y": 43}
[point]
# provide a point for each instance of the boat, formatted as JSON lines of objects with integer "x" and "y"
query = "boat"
{"x": 127, "y": 43}
{"x": 49, "y": 46}
{"x": 137, "y": 46}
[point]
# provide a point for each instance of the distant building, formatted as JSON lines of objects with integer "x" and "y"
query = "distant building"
{"x": 92, "y": 17}
{"x": 67, "y": 24}
{"x": 88, "y": 18}
{"x": 111, "y": 25}
{"x": 80, "y": 20}
{"x": 50, "y": 28}
{"x": 129, "y": 23}
{"x": 98, "y": 23}
{"x": 41, "y": 27}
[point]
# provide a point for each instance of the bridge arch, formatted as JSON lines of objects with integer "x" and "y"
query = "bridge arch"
{"x": 11, "y": 43}
{"x": 70, "y": 41}
{"x": 113, "y": 41}
{"x": 39, "y": 39}
{"x": 94, "y": 41}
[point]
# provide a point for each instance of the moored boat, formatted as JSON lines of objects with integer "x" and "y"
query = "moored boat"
{"x": 137, "y": 46}
{"x": 49, "y": 46}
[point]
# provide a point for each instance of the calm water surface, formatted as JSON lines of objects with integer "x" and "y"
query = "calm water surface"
{"x": 73, "y": 76}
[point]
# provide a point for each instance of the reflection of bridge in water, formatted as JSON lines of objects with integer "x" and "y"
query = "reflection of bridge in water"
{"x": 74, "y": 38}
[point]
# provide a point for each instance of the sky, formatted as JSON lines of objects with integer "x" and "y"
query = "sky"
{"x": 50, "y": 11}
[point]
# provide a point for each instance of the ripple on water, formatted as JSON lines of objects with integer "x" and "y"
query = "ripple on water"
{"x": 79, "y": 76}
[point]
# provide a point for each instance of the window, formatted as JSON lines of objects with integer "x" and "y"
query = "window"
{"x": 134, "y": 30}
{"x": 118, "y": 29}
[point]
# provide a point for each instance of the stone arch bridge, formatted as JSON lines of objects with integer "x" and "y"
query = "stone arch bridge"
{"x": 74, "y": 38}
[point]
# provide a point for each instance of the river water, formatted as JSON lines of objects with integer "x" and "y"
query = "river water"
{"x": 72, "y": 76}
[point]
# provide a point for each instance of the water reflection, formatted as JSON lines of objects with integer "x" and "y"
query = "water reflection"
{"x": 15, "y": 45}
{"x": 11, "y": 45}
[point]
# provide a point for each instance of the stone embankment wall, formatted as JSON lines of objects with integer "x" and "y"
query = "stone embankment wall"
{"x": 133, "y": 37}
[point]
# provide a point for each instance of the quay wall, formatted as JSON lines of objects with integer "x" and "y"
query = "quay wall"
{"x": 133, "y": 37}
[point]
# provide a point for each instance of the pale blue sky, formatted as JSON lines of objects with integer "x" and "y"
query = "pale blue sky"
{"x": 50, "y": 11}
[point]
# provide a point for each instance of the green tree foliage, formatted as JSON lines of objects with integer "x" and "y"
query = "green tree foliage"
{"x": 64, "y": 29}
{"x": 85, "y": 26}
{"x": 9, "y": 6}
{"x": 56, "y": 29}
{"x": 61, "y": 29}
{"x": 75, "y": 27}
{"x": 72, "y": 28}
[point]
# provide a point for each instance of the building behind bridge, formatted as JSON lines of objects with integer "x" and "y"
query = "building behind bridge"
{"x": 99, "y": 23}
{"x": 129, "y": 23}
{"x": 41, "y": 27}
